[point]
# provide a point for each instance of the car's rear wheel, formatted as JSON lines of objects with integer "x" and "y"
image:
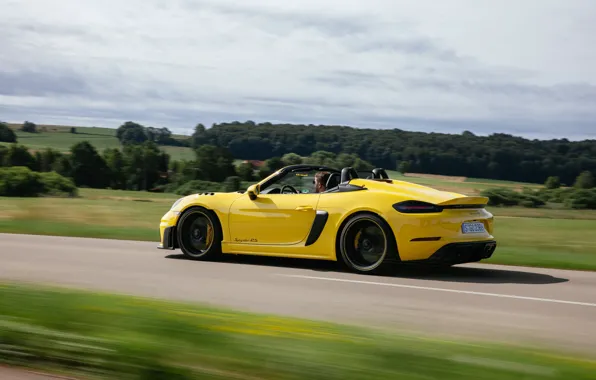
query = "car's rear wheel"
{"x": 199, "y": 234}
{"x": 366, "y": 244}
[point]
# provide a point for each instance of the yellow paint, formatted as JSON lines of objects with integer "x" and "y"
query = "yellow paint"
{"x": 273, "y": 219}
{"x": 279, "y": 224}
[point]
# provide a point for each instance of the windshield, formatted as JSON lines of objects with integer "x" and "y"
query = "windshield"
{"x": 301, "y": 181}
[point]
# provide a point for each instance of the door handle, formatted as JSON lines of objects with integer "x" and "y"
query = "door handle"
{"x": 304, "y": 208}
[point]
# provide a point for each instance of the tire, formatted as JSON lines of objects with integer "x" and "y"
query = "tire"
{"x": 366, "y": 244}
{"x": 199, "y": 234}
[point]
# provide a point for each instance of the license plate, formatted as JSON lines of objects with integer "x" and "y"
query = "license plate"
{"x": 473, "y": 228}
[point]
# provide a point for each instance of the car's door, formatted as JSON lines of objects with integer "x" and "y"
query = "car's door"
{"x": 283, "y": 219}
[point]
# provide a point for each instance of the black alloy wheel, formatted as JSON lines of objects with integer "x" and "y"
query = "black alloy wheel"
{"x": 366, "y": 244}
{"x": 199, "y": 234}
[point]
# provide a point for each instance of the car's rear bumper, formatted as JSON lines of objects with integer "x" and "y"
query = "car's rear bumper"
{"x": 459, "y": 253}
{"x": 421, "y": 236}
{"x": 168, "y": 238}
{"x": 464, "y": 252}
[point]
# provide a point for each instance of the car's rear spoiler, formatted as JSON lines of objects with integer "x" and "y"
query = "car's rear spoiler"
{"x": 465, "y": 202}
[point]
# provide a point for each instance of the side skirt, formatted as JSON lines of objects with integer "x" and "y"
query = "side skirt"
{"x": 235, "y": 249}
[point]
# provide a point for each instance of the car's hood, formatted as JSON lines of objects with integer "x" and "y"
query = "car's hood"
{"x": 413, "y": 191}
{"x": 207, "y": 197}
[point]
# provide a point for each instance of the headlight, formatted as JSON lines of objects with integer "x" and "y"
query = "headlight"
{"x": 176, "y": 203}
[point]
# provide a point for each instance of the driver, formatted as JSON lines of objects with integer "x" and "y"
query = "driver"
{"x": 321, "y": 179}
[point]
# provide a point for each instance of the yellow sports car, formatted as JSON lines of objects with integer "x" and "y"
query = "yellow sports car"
{"x": 366, "y": 221}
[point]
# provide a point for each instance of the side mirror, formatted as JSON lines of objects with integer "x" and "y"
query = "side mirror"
{"x": 253, "y": 191}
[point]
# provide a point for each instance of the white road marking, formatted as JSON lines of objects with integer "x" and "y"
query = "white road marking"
{"x": 441, "y": 290}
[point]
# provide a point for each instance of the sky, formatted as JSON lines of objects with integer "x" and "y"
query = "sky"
{"x": 488, "y": 66}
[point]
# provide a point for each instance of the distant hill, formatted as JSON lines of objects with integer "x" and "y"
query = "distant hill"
{"x": 498, "y": 156}
{"x": 60, "y": 138}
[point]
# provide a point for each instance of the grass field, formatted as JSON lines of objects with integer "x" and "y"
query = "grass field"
{"x": 532, "y": 237}
{"x": 60, "y": 138}
{"x": 121, "y": 337}
{"x": 469, "y": 186}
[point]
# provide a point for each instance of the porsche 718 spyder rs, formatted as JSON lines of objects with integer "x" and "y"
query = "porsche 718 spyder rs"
{"x": 364, "y": 222}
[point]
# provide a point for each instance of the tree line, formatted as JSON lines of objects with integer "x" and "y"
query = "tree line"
{"x": 140, "y": 164}
{"x": 143, "y": 165}
{"x": 498, "y": 156}
{"x": 131, "y": 133}
{"x": 133, "y": 167}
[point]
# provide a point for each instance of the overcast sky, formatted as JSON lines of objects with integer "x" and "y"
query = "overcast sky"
{"x": 526, "y": 67}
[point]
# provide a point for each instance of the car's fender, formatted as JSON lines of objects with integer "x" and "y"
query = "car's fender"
{"x": 218, "y": 203}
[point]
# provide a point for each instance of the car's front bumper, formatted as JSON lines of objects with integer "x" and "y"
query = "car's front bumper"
{"x": 168, "y": 238}
{"x": 167, "y": 231}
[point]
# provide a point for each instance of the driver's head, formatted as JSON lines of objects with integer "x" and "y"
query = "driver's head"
{"x": 321, "y": 179}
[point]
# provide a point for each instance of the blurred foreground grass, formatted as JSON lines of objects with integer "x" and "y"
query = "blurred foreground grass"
{"x": 118, "y": 337}
{"x": 549, "y": 238}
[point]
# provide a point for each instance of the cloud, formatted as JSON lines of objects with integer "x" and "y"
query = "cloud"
{"x": 30, "y": 83}
{"x": 511, "y": 67}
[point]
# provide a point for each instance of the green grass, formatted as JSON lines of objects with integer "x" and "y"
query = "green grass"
{"x": 112, "y": 214}
{"x": 464, "y": 185}
{"x": 108, "y": 336}
{"x": 543, "y": 213}
{"x": 500, "y": 182}
{"x": 546, "y": 242}
{"x": 179, "y": 153}
{"x": 60, "y": 139}
{"x": 531, "y": 237}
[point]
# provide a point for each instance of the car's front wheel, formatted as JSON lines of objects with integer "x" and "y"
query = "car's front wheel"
{"x": 366, "y": 244}
{"x": 199, "y": 234}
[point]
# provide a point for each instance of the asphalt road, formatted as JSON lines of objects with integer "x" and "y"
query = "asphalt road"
{"x": 8, "y": 373}
{"x": 551, "y": 307}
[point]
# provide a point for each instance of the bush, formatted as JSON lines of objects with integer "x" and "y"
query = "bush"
{"x": 29, "y": 127}
{"x": 502, "y": 197}
{"x": 582, "y": 199}
{"x": 531, "y": 201}
{"x": 245, "y": 171}
{"x": 19, "y": 181}
{"x": 198, "y": 186}
{"x": 7, "y": 134}
{"x": 291, "y": 159}
{"x": 404, "y": 167}
{"x": 507, "y": 197}
{"x": 18, "y": 155}
{"x": 232, "y": 184}
{"x": 555, "y": 195}
{"x": 264, "y": 172}
{"x": 552, "y": 183}
{"x": 3, "y": 154}
{"x": 585, "y": 180}
{"x": 55, "y": 184}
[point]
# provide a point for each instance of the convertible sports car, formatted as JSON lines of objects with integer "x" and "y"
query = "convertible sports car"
{"x": 365, "y": 222}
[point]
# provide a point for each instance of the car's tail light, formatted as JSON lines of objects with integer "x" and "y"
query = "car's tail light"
{"x": 416, "y": 207}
